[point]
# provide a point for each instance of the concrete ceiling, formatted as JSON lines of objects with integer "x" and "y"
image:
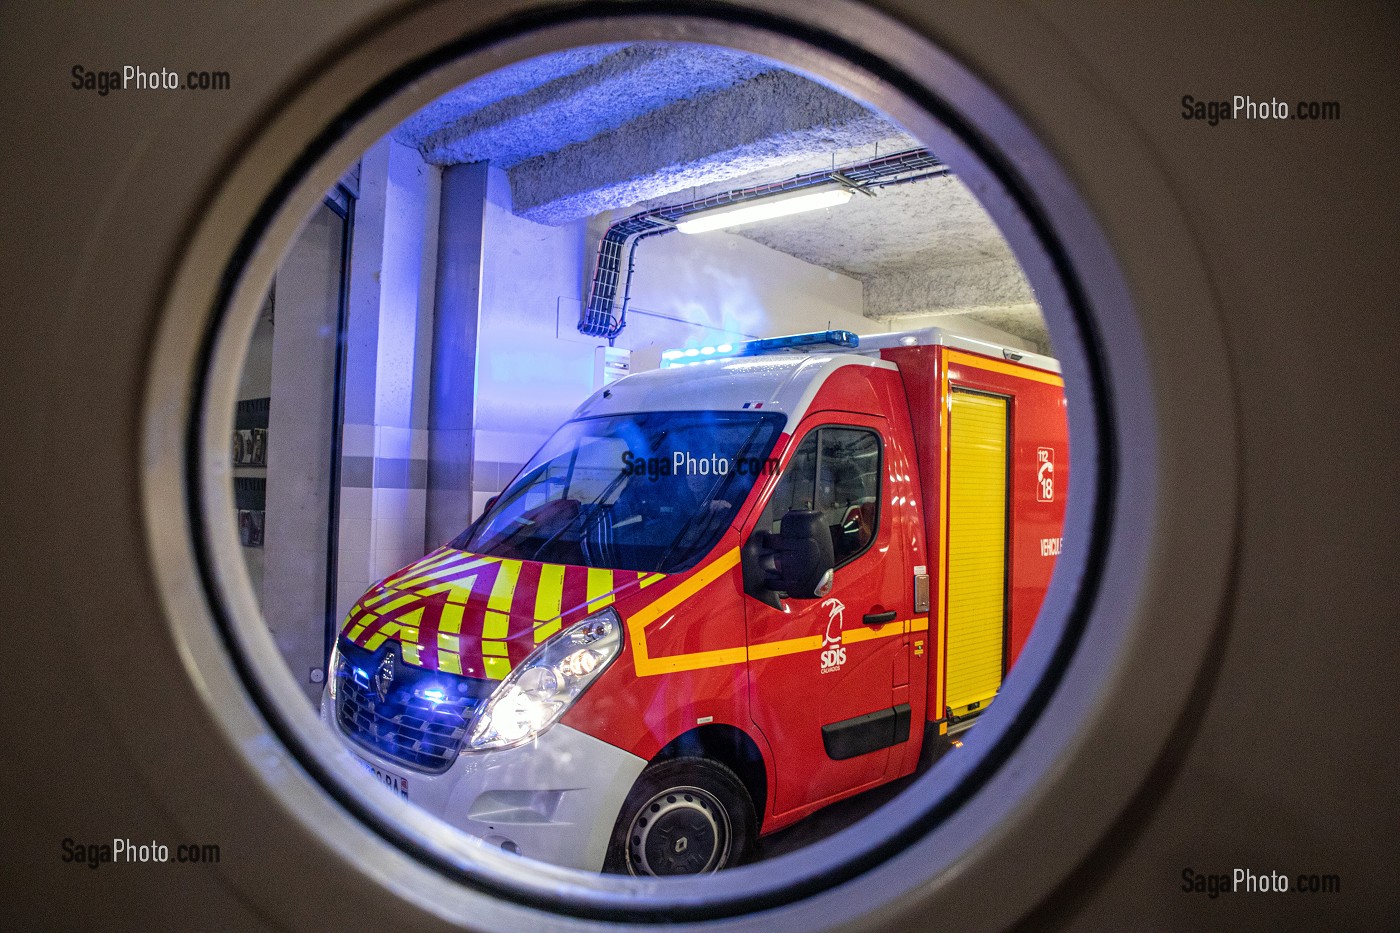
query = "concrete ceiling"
{"x": 621, "y": 128}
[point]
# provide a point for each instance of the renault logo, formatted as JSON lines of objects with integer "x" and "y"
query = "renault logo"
{"x": 384, "y": 677}
{"x": 682, "y": 844}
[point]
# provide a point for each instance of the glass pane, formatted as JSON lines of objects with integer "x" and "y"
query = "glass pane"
{"x": 848, "y": 488}
{"x": 795, "y": 489}
{"x": 649, "y": 491}
{"x": 505, "y": 459}
{"x": 287, "y": 426}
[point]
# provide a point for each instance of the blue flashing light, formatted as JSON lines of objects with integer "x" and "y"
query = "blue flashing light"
{"x": 841, "y": 339}
{"x": 837, "y": 339}
{"x": 434, "y": 695}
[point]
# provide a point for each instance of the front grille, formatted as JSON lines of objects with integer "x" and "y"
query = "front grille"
{"x": 423, "y": 716}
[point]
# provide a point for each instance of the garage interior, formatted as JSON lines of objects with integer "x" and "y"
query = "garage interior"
{"x": 421, "y": 338}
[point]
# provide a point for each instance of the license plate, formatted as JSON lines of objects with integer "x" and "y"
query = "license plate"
{"x": 398, "y": 785}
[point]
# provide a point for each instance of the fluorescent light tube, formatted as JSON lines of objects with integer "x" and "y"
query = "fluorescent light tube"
{"x": 780, "y": 205}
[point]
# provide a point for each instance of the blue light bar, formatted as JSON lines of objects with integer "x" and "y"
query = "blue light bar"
{"x": 840, "y": 339}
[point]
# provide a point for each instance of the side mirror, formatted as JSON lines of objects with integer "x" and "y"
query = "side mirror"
{"x": 801, "y": 561}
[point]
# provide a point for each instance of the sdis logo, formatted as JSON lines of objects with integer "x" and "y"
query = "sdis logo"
{"x": 833, "y": 652}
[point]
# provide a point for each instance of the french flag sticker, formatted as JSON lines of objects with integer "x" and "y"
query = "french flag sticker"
{"x": 753, "y": 404}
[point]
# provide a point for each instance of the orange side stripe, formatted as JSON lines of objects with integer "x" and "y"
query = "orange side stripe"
{"x": 694, "y": 661}
{"x": 636, "y": 625}
{"x": 1006, "y": 369}
{"x": 776, "y": 649}
{"x": 854, "y": 636}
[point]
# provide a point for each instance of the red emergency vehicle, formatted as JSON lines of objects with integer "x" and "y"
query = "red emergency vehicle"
{"x": 724, "y": 595}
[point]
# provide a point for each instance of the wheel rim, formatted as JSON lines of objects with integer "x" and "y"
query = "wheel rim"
{"x": 680, "y": 831}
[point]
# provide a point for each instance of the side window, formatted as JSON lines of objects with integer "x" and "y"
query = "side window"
{"x": 797, "y": 488}
{"x": 835, "y": 471}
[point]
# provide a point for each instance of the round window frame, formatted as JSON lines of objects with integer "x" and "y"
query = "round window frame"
{"x": 1007, "y": 147}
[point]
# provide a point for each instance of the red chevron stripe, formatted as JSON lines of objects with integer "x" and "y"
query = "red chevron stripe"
{"x": 487, "y": 572}
{"x": 522, "y": 604}
{"x": 472, "y": 621}
{"x": 398, "y": 613}
{"x": 575, "y": 587}
{"x": 428, "y": 630}
{"x": 445, "y": 566}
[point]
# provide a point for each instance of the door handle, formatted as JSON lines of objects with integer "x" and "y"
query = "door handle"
{"x": 878, "y": 618}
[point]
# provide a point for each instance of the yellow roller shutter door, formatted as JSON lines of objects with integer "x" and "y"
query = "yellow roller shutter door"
{"x": 977, "y": 496}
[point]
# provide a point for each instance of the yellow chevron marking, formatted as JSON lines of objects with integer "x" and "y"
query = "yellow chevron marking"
{"x": 373, "y": 615}
{"x": 437, "y": 571}
{"x": 600, "y": 586}
{"x": 408, "y": 624}
{"x": 378, "y": 637}
{"x": 548, "y": 607}
{"x": 461, "y": 591}
{"x": 396, "y": 603}
{"x": 435, "y": 559}
{"x": 451, "y": 621}
{"x": 549, "y": 597}
{"x": 497, "y": 625}
{"x": 421, "y": 573}
{"x": 503, "y": 590}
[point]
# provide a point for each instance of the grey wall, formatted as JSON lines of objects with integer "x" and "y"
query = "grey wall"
{"x": 452, "y": 409}
{"x": 384, "y": 454}
{"x": 299, "y": 450}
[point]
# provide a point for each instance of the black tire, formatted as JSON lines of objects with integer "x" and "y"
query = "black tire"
{"x": 684, "y": 816}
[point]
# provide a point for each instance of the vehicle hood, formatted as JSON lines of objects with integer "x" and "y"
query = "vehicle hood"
{"x": 462, "y": 613}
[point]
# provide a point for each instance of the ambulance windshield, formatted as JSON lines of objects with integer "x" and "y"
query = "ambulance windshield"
{"x": 648, "y": 492}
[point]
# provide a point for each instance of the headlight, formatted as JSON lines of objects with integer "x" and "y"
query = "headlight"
{"x": 536, "y": 694}
{"x": 332, "y": 666}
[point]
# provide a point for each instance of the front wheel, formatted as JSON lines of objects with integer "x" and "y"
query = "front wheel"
{"x": 685, "y": 816}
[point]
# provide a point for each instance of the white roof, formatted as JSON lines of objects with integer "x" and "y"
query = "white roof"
{"x": 781, "y": 382}
{"x": 937, "y": 336}
{"x": 784, "y": 382}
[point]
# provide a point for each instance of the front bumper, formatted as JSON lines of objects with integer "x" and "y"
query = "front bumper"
{"x": 555, "y": 799}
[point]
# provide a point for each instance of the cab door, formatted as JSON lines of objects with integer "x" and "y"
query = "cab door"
{"x": 824, "y": 673}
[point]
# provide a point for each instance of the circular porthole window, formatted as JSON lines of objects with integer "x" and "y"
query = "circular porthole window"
{"x": 673, "y": 467}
